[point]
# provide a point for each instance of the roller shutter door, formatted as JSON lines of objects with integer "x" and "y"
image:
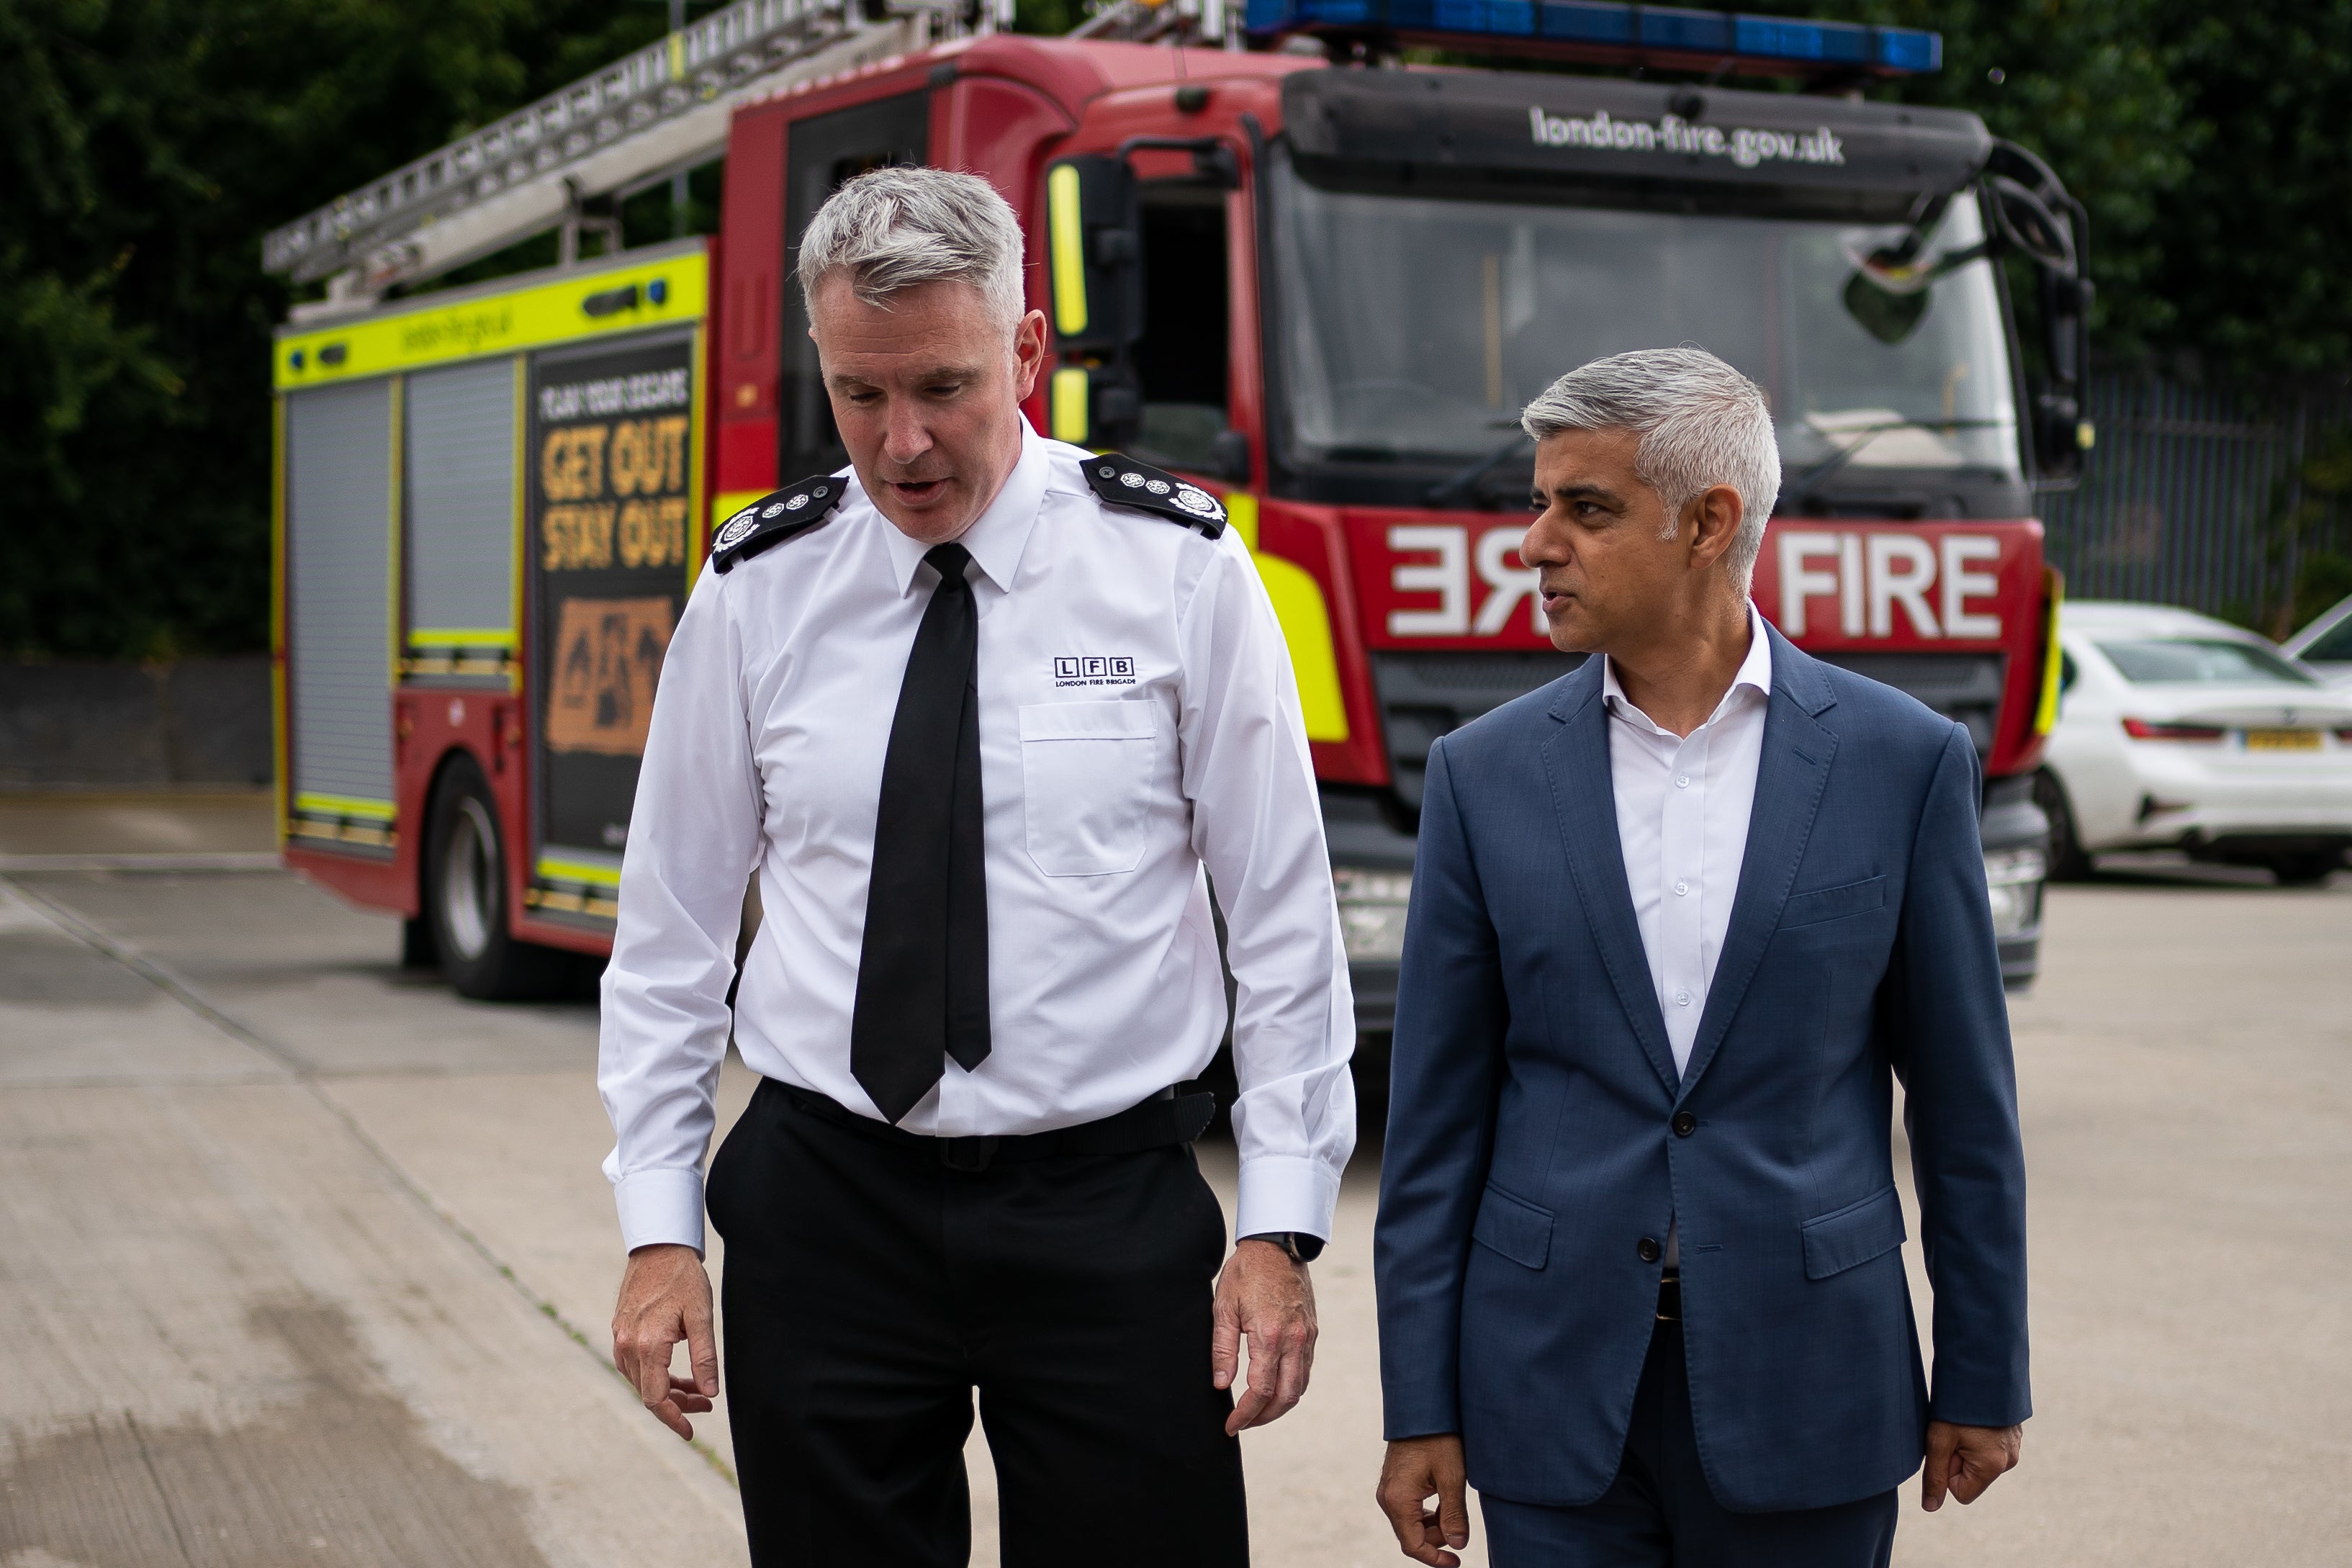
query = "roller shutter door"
{"x": 339, "y": 565}
{"x": 461, "y": 498}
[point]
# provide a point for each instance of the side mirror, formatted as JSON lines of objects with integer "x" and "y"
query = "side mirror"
{"x": 1094, "y": 256}
{"x": 2025, "y": 221}
{"x": 2062, "y": 432}
{"x": 2034, "y": 215}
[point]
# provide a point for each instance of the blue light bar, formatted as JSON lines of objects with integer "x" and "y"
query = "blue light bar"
{"x": 1599, "y": 30}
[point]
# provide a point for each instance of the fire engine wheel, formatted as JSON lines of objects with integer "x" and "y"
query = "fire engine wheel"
{"x": 465, "y": 897}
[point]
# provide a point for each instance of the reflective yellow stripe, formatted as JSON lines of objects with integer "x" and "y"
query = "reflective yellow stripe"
{"x": 2045, "y": 712}
{"x": 461, "y": 637}
{"x": 405, "y": 337}
{"x": 344, "y": 805}
{"x": 552, "y": 870}
{"x": 1069, "y": 416}
{"x": 1068, "y": 244}
{"x": 1306, "y": 622}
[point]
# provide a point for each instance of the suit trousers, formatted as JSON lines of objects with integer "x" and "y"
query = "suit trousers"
{"x": 1660, "y": 1513}
{"x": 870, "y": 1290}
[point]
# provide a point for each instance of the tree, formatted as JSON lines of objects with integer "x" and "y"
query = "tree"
{"x": 2255, "y": 232}
{"x": 149, "y": 144}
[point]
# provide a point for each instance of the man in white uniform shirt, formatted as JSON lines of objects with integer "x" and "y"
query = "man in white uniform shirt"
{"x": 986, "y": 713}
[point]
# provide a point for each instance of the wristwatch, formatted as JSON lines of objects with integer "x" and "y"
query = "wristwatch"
{"x": 1299, "y": 1247}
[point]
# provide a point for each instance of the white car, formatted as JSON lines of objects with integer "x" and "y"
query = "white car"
{"x": 2325, "y": 645}
{"x": 2178, "y": 732}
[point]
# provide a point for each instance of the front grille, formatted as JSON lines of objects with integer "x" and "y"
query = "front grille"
{"x": 1965, "y": 687}
{"x": 1425, "y": 695}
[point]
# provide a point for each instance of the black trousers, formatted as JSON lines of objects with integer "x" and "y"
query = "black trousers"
{"x": 869, "y": 1290}
{"x": 1659, "y": 1512}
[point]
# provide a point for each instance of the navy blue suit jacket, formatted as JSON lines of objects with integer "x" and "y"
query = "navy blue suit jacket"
{"x": 1530, "y": 1144}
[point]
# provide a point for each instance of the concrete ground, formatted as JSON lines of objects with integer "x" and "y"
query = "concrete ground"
{"x": 309, "y": 1261}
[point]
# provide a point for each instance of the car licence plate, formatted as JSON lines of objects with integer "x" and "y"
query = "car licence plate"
{"x": 2282, "y": 739}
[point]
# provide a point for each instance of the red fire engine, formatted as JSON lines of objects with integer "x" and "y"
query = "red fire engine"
{"x": 1319, "y": 282}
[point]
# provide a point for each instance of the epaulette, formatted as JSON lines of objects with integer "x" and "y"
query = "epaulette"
{"x": 770, "y": 521}
{"x": 1121, "y": 480}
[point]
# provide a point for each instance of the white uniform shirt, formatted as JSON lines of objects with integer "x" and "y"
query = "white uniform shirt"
{"x": 1683, "y": 805}
{"x": 1137, "y": 722}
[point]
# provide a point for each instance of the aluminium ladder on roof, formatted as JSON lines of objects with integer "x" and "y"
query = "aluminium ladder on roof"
{"x": 655, "y": 112}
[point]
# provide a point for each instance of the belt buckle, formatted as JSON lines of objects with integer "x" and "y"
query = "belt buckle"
{"x": 1670, "y": 1299}
{"x": 968, "y": 1153}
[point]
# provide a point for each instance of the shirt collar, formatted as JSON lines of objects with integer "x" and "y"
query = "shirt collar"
{"x": 1755, "y": 673}
{"x": 1001, "y": 533}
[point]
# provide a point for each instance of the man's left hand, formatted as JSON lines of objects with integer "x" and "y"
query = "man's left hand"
{"x": 1965, "y": 1460}
{"x": 1265, "y": 1295}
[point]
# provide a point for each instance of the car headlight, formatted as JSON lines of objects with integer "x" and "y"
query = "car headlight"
{"x": 2013, "y": 879}
{"x": 1371, "y": 913}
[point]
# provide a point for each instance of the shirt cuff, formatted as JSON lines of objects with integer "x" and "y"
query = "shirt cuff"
{"x": 1285, "y": 1191}
{"x": 659, "y": 1205}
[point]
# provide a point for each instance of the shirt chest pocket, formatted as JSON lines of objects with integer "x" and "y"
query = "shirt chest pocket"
{"x": 1085, "y": 782}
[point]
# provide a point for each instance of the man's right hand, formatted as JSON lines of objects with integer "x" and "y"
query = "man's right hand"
{"x": 1416, "y": 1469}
{"x": 665, "y": 1298}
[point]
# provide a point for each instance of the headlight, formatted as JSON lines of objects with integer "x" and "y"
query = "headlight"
{"x": 2013, "y": 880}
{"x": 1371, "y": 913}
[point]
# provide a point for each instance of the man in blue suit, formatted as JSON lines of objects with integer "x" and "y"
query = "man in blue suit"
{"x": 1679, "y": 921}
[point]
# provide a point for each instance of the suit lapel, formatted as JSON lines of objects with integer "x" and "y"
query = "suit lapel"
{"x": 1584, "y": 798}
{"x": 1790, "y": 778}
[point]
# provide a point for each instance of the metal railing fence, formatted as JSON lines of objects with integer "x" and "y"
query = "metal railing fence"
{"x": 2220, "y": 498}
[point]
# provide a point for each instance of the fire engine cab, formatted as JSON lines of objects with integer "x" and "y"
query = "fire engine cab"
{"x": 1317, "y": 281}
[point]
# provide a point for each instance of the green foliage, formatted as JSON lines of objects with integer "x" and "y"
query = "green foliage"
{"x": 1048, "y": 17}
{"x": 2256, "y": 234}
{"x": 2310, "y": 511}
{"x": 148, "y": 145}
{"x": 2320, "y": 583}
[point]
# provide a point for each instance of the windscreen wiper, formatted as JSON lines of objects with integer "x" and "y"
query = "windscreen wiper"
{"x": 1869, "y": 433}
{"x": 1457, "y": 489}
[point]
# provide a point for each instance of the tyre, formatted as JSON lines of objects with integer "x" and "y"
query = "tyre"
{"x": 465, "y": 897}
{"x": 2307, "y": 868}
{"x": 2068, "y": 863}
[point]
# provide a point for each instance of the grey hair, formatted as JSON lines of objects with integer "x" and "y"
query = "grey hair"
{"x": 894, "y": 227}
{"x": 1702, "y": 424}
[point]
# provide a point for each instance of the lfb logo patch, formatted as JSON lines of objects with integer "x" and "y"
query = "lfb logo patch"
{"x": 1094, "y": 670}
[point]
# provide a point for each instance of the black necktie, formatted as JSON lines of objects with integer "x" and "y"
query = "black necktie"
{"x": 922, "y": 974}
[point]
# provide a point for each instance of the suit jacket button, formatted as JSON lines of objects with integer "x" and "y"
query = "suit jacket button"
{"x": 1684, "y": 1124}
{"x": 1649, "y": 1251}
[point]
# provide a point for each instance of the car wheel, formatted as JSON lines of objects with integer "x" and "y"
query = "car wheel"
{"x": 2068, "y": 863}
{"x": 2307, "y": 870}
{"x": 465, "y": 897}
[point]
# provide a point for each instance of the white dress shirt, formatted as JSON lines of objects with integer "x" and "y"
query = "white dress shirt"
{"x": 1683, "y": 805}
{"x": 1139, "y": 722}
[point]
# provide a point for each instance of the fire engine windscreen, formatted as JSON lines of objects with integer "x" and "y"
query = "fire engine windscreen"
{"x": 1415, "y": 328}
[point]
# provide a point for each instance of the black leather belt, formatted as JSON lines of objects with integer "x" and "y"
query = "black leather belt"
{"x": 1670, "y": 1298}
{"x": 1167, "y": 1118}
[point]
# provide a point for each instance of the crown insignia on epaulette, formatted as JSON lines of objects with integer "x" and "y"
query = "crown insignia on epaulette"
{"x": 772, "y": 519}
{"x": 1121, "y": 480}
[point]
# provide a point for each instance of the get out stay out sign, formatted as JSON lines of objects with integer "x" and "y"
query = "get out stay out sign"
{"x": 1455, "y": 583}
